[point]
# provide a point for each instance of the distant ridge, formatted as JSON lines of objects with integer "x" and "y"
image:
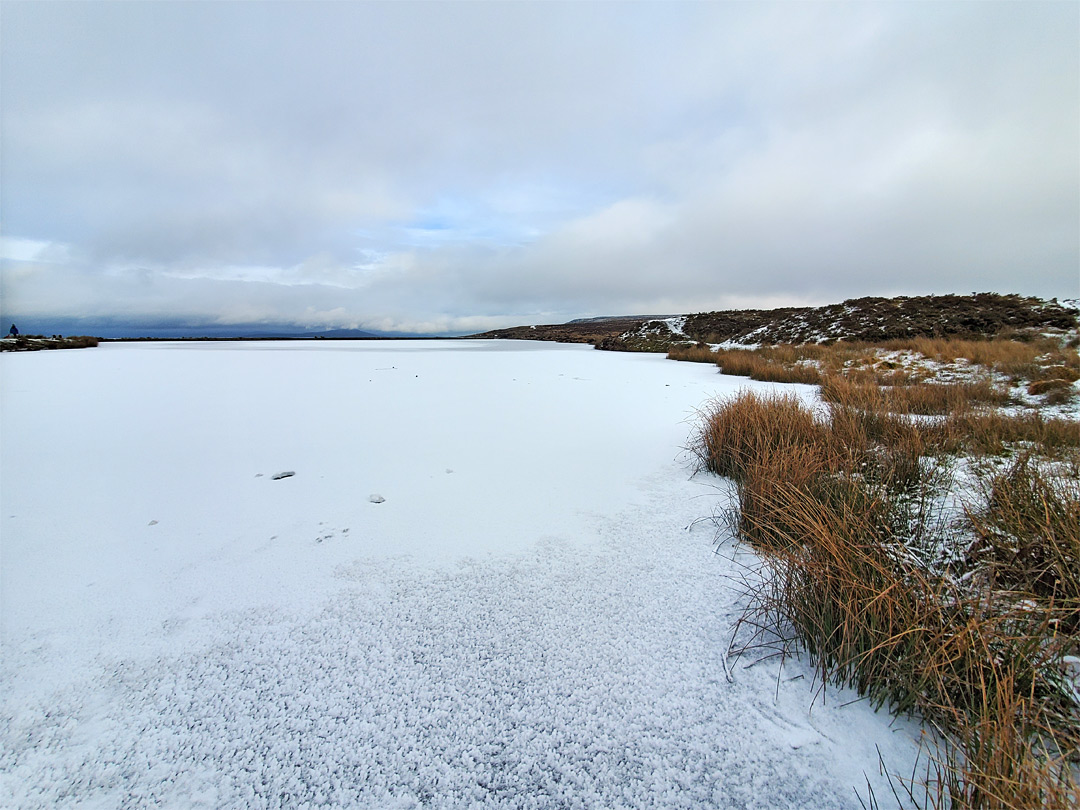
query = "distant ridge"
{"x": 870, "y": 319}
{"x": 117, "y": 329}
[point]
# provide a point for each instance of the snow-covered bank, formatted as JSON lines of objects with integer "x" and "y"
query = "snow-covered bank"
{"x": 524, "y": 621}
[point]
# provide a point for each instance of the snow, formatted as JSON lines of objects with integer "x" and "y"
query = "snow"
{"x": 676, "y": 325}
{"x": 523, "y": 620}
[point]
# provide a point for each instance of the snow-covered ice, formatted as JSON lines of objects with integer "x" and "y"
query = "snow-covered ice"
{"x": 536, "y": 629}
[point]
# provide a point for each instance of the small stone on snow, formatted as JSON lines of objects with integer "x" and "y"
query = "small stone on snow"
{"x": 376, "y": 498}
{"x": 280, "y": 475}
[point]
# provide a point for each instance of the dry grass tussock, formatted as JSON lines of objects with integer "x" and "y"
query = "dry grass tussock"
{"x": 995, "y": 433}
{"x": 768, "y": 365}
{"x": 80, "y": 342}
{"x": 699, "y": 353}
{"x": 1016, "y": 358}
{"x": 838, "y": 508}
{"x": 986, "y": 368}
{"x": 926, "y": 400}
{"x": 1028, "y": 525}
{"x": 761, "y": 365}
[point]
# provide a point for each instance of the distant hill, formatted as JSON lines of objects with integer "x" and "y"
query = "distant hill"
{"x": 119, "y": 329}
{"x": 590, "y": 330}
{"x": 974, "y": 316}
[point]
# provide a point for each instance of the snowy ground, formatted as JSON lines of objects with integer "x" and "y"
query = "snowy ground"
{"x": 525, "y": 621}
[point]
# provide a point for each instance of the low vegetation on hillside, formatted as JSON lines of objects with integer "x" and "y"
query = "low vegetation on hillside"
{"x": 975, "y": 317}
{"x": 919, "y": 534}
{"x": 590, "y": 330}
{"x": 972, "y": 317}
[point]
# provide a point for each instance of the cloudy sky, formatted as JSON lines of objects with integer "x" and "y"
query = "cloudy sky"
{"x": 462, "y": 166}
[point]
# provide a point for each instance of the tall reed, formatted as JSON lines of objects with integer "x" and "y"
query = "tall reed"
{"x": 977, "y": 653}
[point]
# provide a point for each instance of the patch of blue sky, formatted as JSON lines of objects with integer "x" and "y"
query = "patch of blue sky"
{"x": 513, "y": 213}
{"x": 491, "y": 234}
{"x": 457, "y": 222}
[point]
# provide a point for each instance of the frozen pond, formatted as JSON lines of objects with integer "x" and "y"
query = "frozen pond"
{"x": 523, "y": 621}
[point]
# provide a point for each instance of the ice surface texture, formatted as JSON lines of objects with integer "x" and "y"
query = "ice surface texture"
{"x": 536, "y": 630}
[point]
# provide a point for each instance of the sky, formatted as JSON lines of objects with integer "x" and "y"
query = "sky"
{"x": 453, "y": 167}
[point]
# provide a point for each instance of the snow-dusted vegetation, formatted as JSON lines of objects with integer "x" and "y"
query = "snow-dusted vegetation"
{"x": 920, "y": 533}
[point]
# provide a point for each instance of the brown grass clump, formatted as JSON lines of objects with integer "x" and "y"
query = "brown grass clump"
{"x": 943, "y": 398}
{"x": 775, "y": 372}
{"x": 853, "y": 393}
{"x": 1029, "y": 528}
{"x": 1058, "y": 373}
{"x": 768, "y": 365}
{"x": 831, "y": 505}
{"x": 1044, "y": 386}
{"x": 693, "y": 354}
{"x": 1020, "y": 360}
{"x": 1055, "y": 391}
{"x": 1012, "y": 357}
{"x": 1004, "y": 754}
{"x": 1060, "y": 396}
{"x": 751, "y": 427}
{"x": 741, "y": 362}
{"x": 80, "y": 342}
{"x": 882, "y": 374}
{"x": 995, "y": 433}
{"x": 836, "y": 586}
{"x": 929, "y": 399}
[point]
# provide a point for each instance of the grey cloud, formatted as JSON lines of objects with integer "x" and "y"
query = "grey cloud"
{"x": 435, "y": 163}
